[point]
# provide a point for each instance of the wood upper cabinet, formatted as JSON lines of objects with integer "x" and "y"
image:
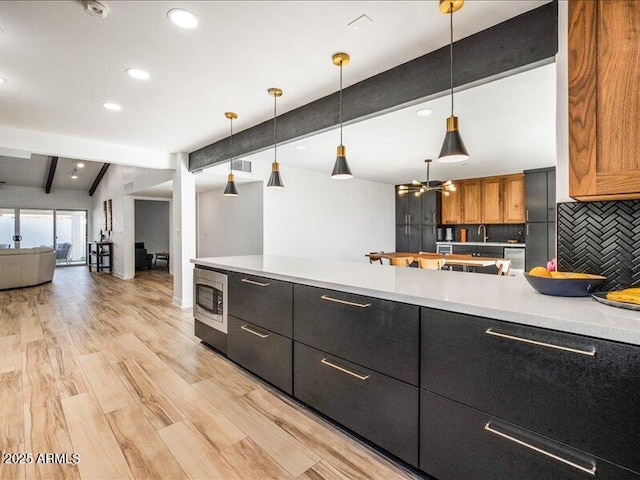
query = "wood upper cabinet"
{"x": 451, "y": 206}
{"x": 491, "y": 201}
{"x": 513, "y": 199}
{"x": 604, "y": 99}
{"x": 471, "y": 201}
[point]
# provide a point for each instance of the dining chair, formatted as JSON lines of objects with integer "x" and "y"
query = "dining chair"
{"x": 431, "y": 263}
{"x": 504, "y": 266}
{"x": 400, "y": 261}
{"x": 379, "y": 260}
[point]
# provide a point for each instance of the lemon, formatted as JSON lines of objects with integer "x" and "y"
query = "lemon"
{"x": 540, "y": 272}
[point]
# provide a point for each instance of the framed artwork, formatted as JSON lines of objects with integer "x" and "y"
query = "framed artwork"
{"x": 110, "y": 210}
{"x": 106, "y": 218}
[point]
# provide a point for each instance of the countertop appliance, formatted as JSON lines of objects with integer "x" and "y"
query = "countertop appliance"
{"x": 517, "y": 257}
{"x": 210, "y": 307}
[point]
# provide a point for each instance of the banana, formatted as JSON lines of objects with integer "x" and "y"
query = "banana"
{"x": 628, "y": 295}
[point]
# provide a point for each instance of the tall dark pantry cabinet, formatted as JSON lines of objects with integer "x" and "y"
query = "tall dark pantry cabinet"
{"x": 540, "y": 202}
{"x": 417, "y": 218}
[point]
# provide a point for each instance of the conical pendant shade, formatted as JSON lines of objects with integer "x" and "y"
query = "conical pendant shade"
{"x": 453, "y": 149}
{"x": 230, "y": 190}
{"x": 341, "y": 170}
{"x": 275, "y": 180}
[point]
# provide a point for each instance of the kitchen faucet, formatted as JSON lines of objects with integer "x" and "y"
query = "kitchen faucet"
{"x": 484, "y": 237}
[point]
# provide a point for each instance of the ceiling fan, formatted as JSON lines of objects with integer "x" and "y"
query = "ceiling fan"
{"x": 418, "y": 188}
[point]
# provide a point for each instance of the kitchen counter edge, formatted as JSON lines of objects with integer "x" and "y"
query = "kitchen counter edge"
{"x": 588, "y": 318}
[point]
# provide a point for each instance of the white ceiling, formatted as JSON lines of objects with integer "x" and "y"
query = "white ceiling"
{"x": 61, "y": 64}
{"x": 34, "y": 172}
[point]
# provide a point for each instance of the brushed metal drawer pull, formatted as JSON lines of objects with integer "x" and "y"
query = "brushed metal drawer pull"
{"x": 345, "y": 302}
{"x": 247, "y": 329}
{"x": 589, "y": 353}
{"x": 590, "y": 471}
{"x": 252, "y": 282}
{"x": 342, "y": 369}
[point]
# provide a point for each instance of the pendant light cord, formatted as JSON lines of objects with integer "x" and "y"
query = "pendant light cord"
{"x": 340, "y": 102}
{"x": 451, "y": 51}
{"x": 231, "y": 146}
{"x": 275, "y": 135}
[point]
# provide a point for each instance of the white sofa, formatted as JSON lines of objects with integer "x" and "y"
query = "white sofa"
{"x": 23, "y": 267}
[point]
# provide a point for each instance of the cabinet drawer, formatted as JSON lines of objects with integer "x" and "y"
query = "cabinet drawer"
{"x": 378, "y": 334}
{"x": 458, "y": 442}
{"x": 263, "y": 301}
{"x": 265, "y": 353}
{"x": 580, "y": 391}
{"x": 380, "y": 408}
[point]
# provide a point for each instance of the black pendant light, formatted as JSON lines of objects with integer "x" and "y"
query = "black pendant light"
{"x": 453, "y": 149}
{"x": 341, "y": 170}
{"x": 231, "y": 190}
{"x": 275, "y": 180}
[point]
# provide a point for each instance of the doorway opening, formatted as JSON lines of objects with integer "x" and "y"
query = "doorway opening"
{"x": 152, "y": 232}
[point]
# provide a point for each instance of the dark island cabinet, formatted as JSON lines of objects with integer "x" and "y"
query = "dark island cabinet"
{"x": 262, "y": 351}
{"x": 378, "y": 407}
{"x": 576, "y": 390}
{"x": 377, "y": 334}
{"x": 262, "y": 301}
{"x": 459, "y": 443}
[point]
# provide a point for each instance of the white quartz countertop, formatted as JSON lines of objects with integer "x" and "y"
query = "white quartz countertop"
{"x": 488, "y": 244}
{"x": 504, "y": 298}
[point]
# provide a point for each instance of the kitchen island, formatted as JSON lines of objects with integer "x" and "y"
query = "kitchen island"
{"x": 456, "y": 376}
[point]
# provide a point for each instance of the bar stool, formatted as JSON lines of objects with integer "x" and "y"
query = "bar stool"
{"x": 400, "y": 261}
{"x": 504, "y": 266}
{"x": 431, "y": 263}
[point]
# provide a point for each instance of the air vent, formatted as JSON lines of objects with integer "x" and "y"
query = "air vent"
{"x": 128, "y": 186}
{"x": 241, "y": 165}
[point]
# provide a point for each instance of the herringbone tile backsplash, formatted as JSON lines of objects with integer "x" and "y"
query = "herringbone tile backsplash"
{"x": 601, "y": 238}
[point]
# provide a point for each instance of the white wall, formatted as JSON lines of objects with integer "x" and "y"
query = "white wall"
{"x": 112, "y": 187}
{"x": 317, "y": 216}
{"x": 231, "y": 225}
{"x": 152, "y": 224}
{"x": 562, "y": 106}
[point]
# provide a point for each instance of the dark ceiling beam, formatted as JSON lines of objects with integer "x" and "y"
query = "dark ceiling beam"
{"x": 96, "y": 182}
{"x": 52, "y": 172}
{"x": 528, "y": 40}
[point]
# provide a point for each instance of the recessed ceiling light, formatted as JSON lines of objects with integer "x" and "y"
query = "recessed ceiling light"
{"x": 300, "y": 147}
{"x": 424, "y": 112}
{"x": 80, "y": 165}
{"x": 111, "y": 106}
{"x": 138, "y": 74}
{"x": 183, "y": 18}
{"x": 2, "y": 80}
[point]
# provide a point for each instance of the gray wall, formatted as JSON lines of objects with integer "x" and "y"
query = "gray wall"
{"x": 152, "y": 225}
{"x": 231, "y": 225}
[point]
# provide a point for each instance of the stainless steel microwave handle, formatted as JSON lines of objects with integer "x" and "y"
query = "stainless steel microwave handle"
{"x": 253, "y": 282}
{"x": 344, "y": 370}
{"x": 590, "y": 471}
{"x": 589, "y": 353}
{"x": 257, "y": 334}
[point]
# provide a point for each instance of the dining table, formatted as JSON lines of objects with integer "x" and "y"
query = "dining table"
{"x": 465, "y": 261}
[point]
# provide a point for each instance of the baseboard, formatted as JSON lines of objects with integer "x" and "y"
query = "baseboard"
{"x": 184, "y": 304}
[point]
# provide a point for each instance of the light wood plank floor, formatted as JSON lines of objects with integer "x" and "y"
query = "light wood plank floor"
{"x": 110, "y": 370}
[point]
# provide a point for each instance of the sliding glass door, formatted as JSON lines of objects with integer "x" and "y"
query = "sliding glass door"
{"x": 71, "y": 236}
{"x": 7, "y": 227}
{"x": 63, "y": 230}
{"x": 36, "y": 228}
